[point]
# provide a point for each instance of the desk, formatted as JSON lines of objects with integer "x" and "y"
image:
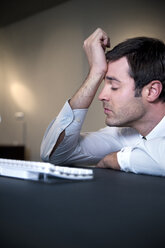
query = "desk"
{"x": 116, "y": 209}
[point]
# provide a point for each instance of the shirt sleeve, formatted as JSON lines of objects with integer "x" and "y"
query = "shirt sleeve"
{"x": 147, "y": 157}
{"x": 63, "y": 120}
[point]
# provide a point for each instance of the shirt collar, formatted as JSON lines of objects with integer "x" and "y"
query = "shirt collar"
{"x": 158, "y": 131}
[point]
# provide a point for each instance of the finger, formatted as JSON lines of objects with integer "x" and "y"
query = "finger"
{"x": 105, "y": 40}
{"x": 106, "y": 43}
{"x": 102, "y": 35}
{"x": 101, "y": 164}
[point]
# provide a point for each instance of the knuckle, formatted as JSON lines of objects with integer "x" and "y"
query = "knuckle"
{"x": 99, "y": 29}
{"x": 85, "y": 43}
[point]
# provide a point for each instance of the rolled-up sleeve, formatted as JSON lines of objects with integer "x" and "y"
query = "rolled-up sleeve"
{"x": 147, "y": 157}
{"x": 69, "y": 120}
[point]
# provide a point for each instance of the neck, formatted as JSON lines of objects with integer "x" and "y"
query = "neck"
{"x": 151, "y": 119}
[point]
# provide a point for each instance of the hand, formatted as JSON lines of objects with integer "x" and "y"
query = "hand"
{"x": 109, "y": 161}
{"x": 95, "y": 47}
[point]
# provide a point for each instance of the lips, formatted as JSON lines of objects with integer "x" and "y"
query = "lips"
{"x": 107, "y": 111}
{"x": 106, "y": 108}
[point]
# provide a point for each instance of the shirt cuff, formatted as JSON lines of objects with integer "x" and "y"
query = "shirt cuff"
{"x": 67, "y": 116}
{"x": 68, "y": 120}
{"x": 123, "y": 157}
{"x": 78, "y": 117}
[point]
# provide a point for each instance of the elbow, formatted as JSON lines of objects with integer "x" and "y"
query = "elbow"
{"x": 51, "y": 158}
{"x": 43, "y": 157}
{"x": 44, "y": 154}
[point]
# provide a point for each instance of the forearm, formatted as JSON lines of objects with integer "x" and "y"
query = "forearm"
{"x": 84, "y": 96}
{"x": 82, "y": 99}
{"x": 94, "y": 48}
{"x": 109, "y": 161}
{"x": 147, "y": 157}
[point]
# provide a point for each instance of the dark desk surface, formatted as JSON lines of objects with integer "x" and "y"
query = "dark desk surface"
{"x": 116, "y": 209}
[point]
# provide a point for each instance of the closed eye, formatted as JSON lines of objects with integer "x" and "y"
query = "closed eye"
{"x": 112, "y": 88}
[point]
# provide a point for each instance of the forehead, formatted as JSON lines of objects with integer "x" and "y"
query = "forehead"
{"x": 118, "y": 69}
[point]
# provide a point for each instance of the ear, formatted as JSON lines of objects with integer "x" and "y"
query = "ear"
{"x": 152, "y": 90}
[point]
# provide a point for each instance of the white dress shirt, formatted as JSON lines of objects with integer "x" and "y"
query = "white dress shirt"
{"x": 134, "y": 153}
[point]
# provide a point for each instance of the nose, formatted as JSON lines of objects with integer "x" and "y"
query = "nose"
{"x": 104, "y": 94}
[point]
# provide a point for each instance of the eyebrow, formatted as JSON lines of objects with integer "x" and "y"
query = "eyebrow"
{"x": 113, "y": 78}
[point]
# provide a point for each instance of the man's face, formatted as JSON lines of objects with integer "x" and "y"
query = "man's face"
{"x": 120, "y": 105}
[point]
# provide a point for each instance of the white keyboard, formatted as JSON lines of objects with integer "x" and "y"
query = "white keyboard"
{"x": 40, "y": 170}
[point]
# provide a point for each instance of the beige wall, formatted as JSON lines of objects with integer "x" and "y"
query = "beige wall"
{"x": 42, "y": 61}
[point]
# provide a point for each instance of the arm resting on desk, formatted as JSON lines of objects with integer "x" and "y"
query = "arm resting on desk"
{"x": 109, "y": 161}
{"x": 146, "y": 158}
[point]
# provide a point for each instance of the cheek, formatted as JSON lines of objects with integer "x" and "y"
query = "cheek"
{"x": 121, "y": 100}
{"x": 126, "y": 105}
{"x": 132, "y": 107}
{"x": 125, "y": 96}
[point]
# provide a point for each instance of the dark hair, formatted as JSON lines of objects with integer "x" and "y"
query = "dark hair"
{"x": 146, "y": 58}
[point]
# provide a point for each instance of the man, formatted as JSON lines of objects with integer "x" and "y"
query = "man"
{"x": 133, "y": 99}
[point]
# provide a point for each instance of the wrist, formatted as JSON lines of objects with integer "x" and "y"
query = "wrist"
{"x": 96, "y": 76}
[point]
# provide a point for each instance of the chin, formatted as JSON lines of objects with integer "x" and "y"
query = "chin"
{"x": 110, "y": 123}
{"x": 113, "y": 123}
